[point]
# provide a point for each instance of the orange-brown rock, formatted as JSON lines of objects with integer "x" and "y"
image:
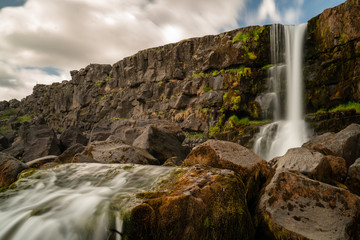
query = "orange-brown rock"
{"x": 195, "y": 203}
{"x": 223, "y": 154}
{"x": 296, "y": 207}
{"x": 9, "y": 169}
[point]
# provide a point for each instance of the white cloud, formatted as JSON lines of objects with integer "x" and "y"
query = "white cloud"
{"x": 70, "y": 34}
{"x": 270, "y": 12}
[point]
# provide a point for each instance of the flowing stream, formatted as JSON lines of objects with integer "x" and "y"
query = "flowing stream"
{"x": 74, "y": 201}
{"x": 288, "y": 130}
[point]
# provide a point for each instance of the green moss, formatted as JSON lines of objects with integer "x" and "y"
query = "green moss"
{"x": 207, "y": 222}
{"x": 241, "y": 37}
{"x": 99, "y": 83}
{"x": 109, "y": 77}
{"x": 194, "y": 135}
{"x": 325, "y": 31}
{"x": 343, "y": 38}
{"x": 5, "y": 129}
{"x": 24, "y": 118}
{"x": 347, "y": 106}
{"x": 266, "y": 66}
{"x": 217, "y": 72}
{"x": 235, "y": 103}
{"x": 26, "y": 173}
{"x": 5, "y": 115}
{"x": 101, "y": 99}
{"x": 252, "y": 56}
{"x": 206, "y": 89}
{"x": 320, "y": 111}
{"x": 225, "y": 96}
{"x": 201, "y": 74}
{"x": 161, "y": 83}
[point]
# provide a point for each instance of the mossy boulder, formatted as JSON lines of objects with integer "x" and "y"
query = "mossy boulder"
{"x": 9, "y": 169}
{"x": 195, "y": 203}
{"x": 228, "y": 155}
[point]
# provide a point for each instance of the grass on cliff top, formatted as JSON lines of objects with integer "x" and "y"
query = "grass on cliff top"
{"x": 347, "y": 106}
{"x": 341, "y": 107}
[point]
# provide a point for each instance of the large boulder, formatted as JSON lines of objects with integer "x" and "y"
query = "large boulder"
{"x": 296, "y": 207}
{"x": 39, "y": 141}
{"x": 345, "y": 144}
{"x": 312, "y": 164}
{"x": 68, "y": 154}
{"x": 353, "y": 178}
{"x": 195, "y": 203}
{"x": 72, "y": 136}
{"x": 16, "y": 149}
{"x": 118, "y": 152}
{"x": 223, "y": 154}
{"x": 162, "y": 141}
{"x": 9, "y": 169}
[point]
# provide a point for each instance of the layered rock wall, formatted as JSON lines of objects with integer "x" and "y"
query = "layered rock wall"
{"x": 172, "y": 82}
{"x": 332, "y": 65}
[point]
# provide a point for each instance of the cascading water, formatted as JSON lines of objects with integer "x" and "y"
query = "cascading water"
{"x": 74, "y": 201}
{"x": 277, "y": 137}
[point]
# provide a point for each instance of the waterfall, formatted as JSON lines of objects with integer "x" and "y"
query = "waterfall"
{"x": 74, "y": 201}
{"x": 288, "y": 130}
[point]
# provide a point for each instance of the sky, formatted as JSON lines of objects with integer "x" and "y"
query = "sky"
{"x": 41, "y": 41}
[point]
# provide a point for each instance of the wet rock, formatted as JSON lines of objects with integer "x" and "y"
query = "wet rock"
{"x": 353, "y": 178}
{"x": 9, "y": 169}
{"x": 16, "y": 149}
{"x": 210, "y": 99}
{"x": 173, "y": 162}
{"x": 36, "y": 163}
{"x": 195, "y": 203}
{"x": 39, "y": 141}
{"x": 223, "y": 154}
{"x": 4, "y": 143}
{"x": 68, "y": 154}
{"x": 308, "y": 162}
{"x": 101, "y": 131}
{"x": 71, "y": 136}
{"x": 80, "y": 158}
{"x": 338, "y": 168}
{"x": 345, "y": 144}
{"x": 162, "y": 141}
{"x": 126, "y": 130}
{"x": 296, "y": 207}
{"x": 118, "y": 152}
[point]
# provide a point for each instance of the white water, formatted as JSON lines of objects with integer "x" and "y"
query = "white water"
{"x": 276, "y": 138}
{"x": 74, "y": 201}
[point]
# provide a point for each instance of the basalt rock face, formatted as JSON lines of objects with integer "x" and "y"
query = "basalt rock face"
{"x": 332, "y": 65}
{"x": 169, "y": 82}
